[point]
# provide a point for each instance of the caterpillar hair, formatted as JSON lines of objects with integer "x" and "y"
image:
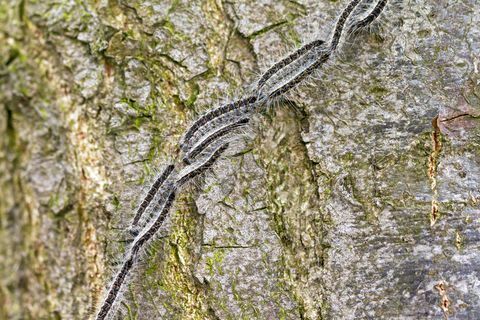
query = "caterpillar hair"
{"x": 216, "y": 123}
{"x": 147, "y": 218}
{"x": 152, "y": 192}
{"x": 290, "y": 75}
{"x": 337, "y": 34}
{"x": 211, "y": 115}
{"x": 132, "y": 257}
{"x": 289, "y": 72}
{"x": 300, "y": 77}
{"x": 152, "y": 229}
{"x": 202, "y": 167}
{"x": 372, "y": 16}
{"x": 287, "y": 60}
{"x": 115, "y": 288}
{"x": 207, "y": 139}
{"x": 212, "y": 137}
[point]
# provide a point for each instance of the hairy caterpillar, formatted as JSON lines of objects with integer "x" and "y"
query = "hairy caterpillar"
{"x": 210, "y": 138}
{"x": 152, "y": 192}
{"x": 372, "y": 16}
{"x": 206, "y": 135}
{"x": 211, "y": 115}
{"x": 150, "y": 230}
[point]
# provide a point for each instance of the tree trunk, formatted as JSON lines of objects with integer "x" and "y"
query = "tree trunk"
{"x": 358, "y": 198}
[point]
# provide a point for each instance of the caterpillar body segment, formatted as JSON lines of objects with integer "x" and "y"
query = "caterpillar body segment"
{"x": 369, "y": 19}
{"x": 245, "y": 103}
{"x": 159, "y": 181}
{"x": 194, "y": 170}
{"x": 287, "y": 60}
{"x": 215, "y": 135}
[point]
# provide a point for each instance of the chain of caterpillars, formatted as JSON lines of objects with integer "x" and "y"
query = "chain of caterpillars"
{"x": 206, "y": 139}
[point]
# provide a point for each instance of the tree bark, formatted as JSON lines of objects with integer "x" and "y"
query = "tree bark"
{"x": 358, "y": 198}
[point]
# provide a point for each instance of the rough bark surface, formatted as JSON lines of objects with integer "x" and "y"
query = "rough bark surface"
{"x": 360, "y": 202}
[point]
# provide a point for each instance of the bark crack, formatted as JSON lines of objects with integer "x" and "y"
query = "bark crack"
{"x": 444, "y": 301}
{"x": 436, "y": 140}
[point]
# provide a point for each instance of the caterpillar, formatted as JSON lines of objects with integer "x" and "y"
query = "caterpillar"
{"x": 212, "y": 128}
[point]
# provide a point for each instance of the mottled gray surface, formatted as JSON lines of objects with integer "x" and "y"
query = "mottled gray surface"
{"x": 359, "y": 199}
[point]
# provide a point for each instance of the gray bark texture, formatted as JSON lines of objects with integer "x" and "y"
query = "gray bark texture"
{"x": 357, "y": 198}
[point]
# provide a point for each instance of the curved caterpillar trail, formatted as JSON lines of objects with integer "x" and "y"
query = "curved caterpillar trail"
{"x": 150, "y": 230}
{"x": 341, "y": 23}
{"x": 289, "y": 72}
{"x": 286, "y": 61}
{"x": 133, "y": 255}
{"x": 365, "y": 22}
{"x": 211, "y": 115}
{"x": 211, "y": 138}
{"x": 300, "y": 77}
{"x": 152, "y": 192}
{"x": 310, "y": 51}
{"x": 203, "y": 166}
{"x": 276, "y": 81}
{"x": 293, "y": 73}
